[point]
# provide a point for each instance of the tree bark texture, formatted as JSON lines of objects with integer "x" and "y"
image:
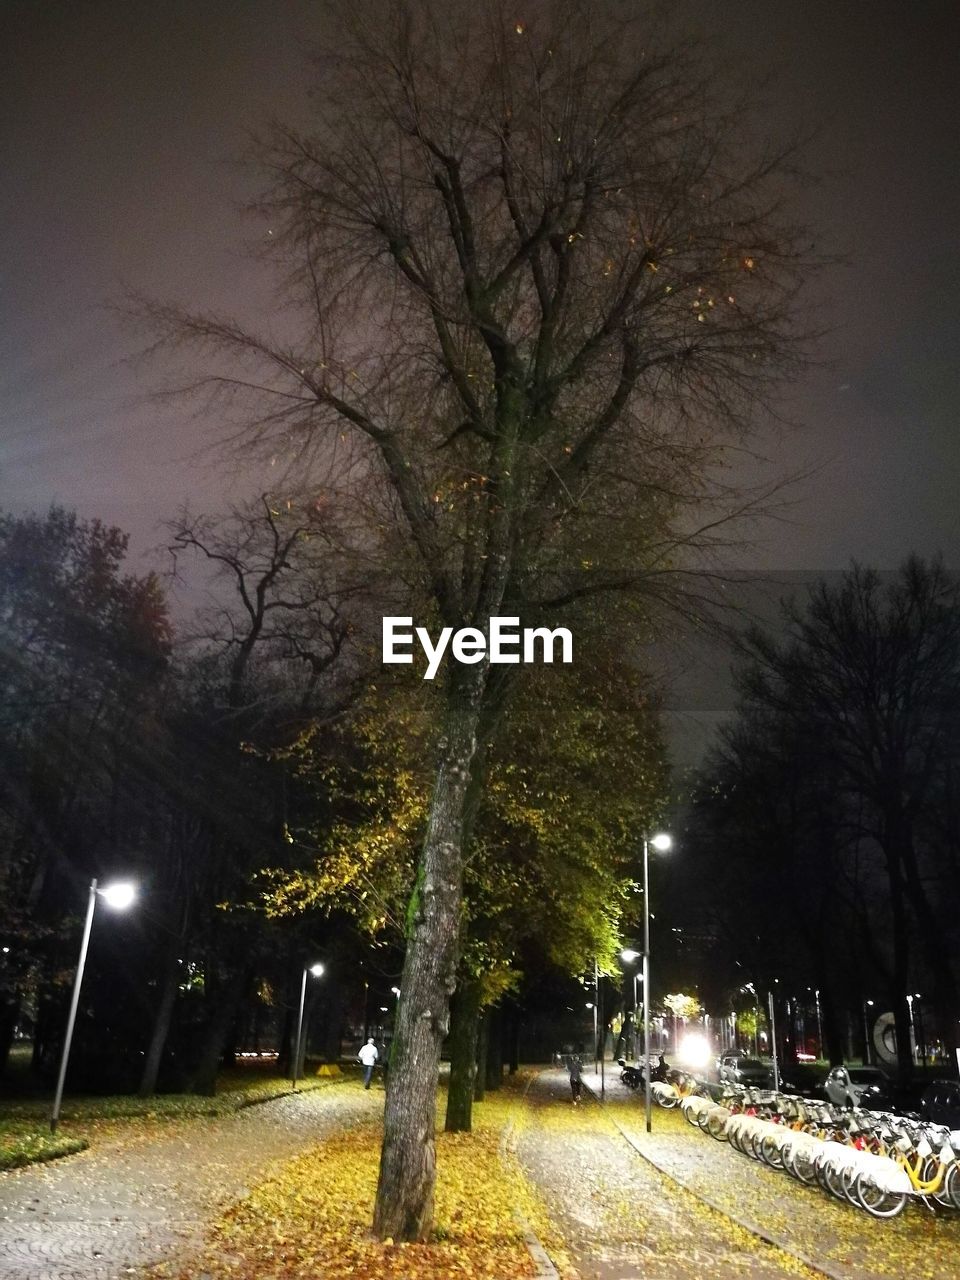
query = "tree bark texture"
{"x": 9, "y": 1013}
{"x": 494, "y": 1062}
{"x": 464, "y": 1027}
{"x": 483, "y": 1042}
{"x": 203, "y": 1079}
{"x": 514, "y": 1060}
{"x": 161, "y": 1028}
{"x": 404, "y": 1205}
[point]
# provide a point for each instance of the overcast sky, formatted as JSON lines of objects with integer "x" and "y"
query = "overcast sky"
{"x": 118, "y": 123}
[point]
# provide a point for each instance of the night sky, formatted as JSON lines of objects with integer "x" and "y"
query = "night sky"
{"x": 120, "y": 124}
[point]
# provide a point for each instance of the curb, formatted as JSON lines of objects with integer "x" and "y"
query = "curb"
{"x": 274, "y": 1097}
{"x": 768, "y": 1237}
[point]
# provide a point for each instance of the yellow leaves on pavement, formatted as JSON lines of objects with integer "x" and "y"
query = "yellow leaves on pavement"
{"x": 311, "y": 1220}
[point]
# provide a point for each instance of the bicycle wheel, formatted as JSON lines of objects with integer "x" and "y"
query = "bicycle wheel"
{"x": 756, "y": 1142}
{"x": 716, "y": 1126}
{"x": 820, "y": 1172}
{"x": 952, "y": 1184}
{"x": 733, "y": 1137}
{"x": 769, "y": 1152}
{"x": 739, "y": 1141}
{"x": 832, "y": 1179}
{"x": 944, "y": 1196}
{"x": 848, "y": 1184}
{"x": 703, "y": 1119}
{"x": 878, "y": 1202}
{"x": 802, "y": 1164}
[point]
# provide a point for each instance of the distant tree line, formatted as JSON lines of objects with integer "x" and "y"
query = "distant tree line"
{"x": 125, "y": 754}
{"x": 826, "y": 824}
{"x": 267, "y": 788}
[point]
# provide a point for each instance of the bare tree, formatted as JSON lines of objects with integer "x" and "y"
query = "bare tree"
{"x": 288, "y": 600}
{"x": 872, "y": 675}
{"x": 536, "y": 283}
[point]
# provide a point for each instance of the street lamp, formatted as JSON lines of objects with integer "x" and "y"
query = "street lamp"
{"x": 317, "y": 971}
{"x": 661, "y": 842}
{"x": 118, "y": 896}
{"x": 629, "y": 956}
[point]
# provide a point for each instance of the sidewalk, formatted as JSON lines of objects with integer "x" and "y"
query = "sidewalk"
{"x": 140, "y": 1199}
{"x": 621, "y": 1219}
{"x": 842, "y": 1239}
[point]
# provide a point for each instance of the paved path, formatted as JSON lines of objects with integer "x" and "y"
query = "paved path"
{"x": 620, "y": 1218}
{"x": 147, "y": 1197}
{"x": 836, "y": 1236}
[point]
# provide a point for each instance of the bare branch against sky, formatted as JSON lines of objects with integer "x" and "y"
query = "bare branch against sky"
{"x": 118, "y": 125}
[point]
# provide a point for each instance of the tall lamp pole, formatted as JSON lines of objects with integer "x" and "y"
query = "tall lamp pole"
{"x": 661, "y": 842}
{"x": 119, "y": 896}
{"x": 317, "y": 971}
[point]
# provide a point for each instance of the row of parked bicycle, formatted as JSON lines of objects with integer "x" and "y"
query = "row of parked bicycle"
{"x": 873, "y": 1160}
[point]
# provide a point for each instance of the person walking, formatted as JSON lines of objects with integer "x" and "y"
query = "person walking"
{"x": 575, "y": 1069}
{"x": 368, "y": 1055}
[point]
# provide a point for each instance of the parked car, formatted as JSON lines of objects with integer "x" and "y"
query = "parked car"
{"x": 802, "y": 1079}
{"x": 858, "y": 1087}
{"x": 737, "y": 1068}
{"x": 940, "y": 1103}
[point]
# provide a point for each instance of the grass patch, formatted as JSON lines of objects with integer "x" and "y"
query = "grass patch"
{"x": 234, "y": 1091}
{"x": 312, "y": 1217}
{"x": 22, "y": 1144}
{"x": 25, "y": 1139}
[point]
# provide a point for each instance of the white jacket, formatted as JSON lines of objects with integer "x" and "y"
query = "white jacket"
{"x": 368, "y": 1055}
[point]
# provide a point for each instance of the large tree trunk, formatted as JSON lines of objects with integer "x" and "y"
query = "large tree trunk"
{"x": 494, "y": 1062}
{"x": 161, "y": 1027}
{"x": 404, "y": 1205}
{"x": 901, "y": 974}
{"x": 203, "y": 1078}
{"x": 464, "y": 1026}
{"x": 514, "y": 1059}
{"x": 483, "y": 1044}
{"x": 933, "y": 942}
{"x": 9, "y": 1013}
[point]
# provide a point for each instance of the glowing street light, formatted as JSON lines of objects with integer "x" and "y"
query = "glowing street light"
{"x": 317, "y": 971}
{"x": 118, "y": 895}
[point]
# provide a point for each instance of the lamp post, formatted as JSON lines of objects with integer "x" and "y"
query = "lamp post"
{"x": 661, "y": 842}
{"x": 629, "y": 955}
{"x": 118, "y": 896}
{"x": 317, "y": 971}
